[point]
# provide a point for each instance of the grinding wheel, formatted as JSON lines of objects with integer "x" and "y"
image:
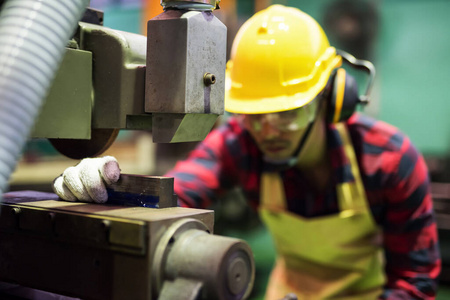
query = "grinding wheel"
{"x": 101, "y": 140}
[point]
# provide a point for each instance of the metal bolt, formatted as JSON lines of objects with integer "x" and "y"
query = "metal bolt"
{"x": 209, "y": 79}
{"x": 16, "y": 210}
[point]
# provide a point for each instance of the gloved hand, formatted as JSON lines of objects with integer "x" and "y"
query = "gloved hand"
{"x": 86, "y": 181}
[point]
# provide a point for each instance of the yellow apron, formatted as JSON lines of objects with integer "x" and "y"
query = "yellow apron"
{"x": 329, "y": 257}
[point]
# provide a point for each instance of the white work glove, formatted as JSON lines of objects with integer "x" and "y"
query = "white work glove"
{"x": 86, "y": 181}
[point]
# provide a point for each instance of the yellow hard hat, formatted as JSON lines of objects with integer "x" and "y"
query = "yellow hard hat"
{"x": 280, "y": 60}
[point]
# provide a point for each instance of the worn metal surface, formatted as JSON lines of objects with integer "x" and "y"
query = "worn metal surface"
{"x": 183, "y": 47}
{"x": 97, "y": 251}
{"x": 85, "y": 250}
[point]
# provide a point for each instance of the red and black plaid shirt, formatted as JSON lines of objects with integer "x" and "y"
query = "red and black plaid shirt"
{"x": 395, "y": 178}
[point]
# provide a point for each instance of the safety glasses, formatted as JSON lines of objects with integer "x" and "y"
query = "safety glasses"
{"x": 286, "y": 121}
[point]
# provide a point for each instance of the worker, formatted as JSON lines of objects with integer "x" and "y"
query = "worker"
{"x": 345, "y": 197}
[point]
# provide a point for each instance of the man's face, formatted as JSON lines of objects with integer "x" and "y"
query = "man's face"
{"x": 278, "y": 134}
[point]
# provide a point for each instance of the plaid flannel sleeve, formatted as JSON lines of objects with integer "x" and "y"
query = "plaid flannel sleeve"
{"x": 410, "y": 232}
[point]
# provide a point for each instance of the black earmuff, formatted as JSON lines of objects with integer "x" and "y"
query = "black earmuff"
{"x": 342, "y": 89}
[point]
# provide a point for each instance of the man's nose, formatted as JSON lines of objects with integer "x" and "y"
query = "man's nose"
{"x": 269, "y": 130}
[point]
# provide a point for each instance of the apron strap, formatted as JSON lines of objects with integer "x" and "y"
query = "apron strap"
{"x": 273, "y": 188}
{"x": 346, "y": 202}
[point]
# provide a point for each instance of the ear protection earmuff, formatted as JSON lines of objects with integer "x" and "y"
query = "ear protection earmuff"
{"x": 342, "y": 89}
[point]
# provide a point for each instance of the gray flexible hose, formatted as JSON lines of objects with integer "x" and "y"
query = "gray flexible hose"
{"x": 33, "y": 35}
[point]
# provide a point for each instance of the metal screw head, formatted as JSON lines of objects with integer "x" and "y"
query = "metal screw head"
{"x": 209, "y": 79}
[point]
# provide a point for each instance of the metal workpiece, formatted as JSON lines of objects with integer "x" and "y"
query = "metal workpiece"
{"x": 193, "y": 264}
{"x": 185, "y": 74}
{"x": 200, "y": 5}
{"x": 142, "y": 190}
